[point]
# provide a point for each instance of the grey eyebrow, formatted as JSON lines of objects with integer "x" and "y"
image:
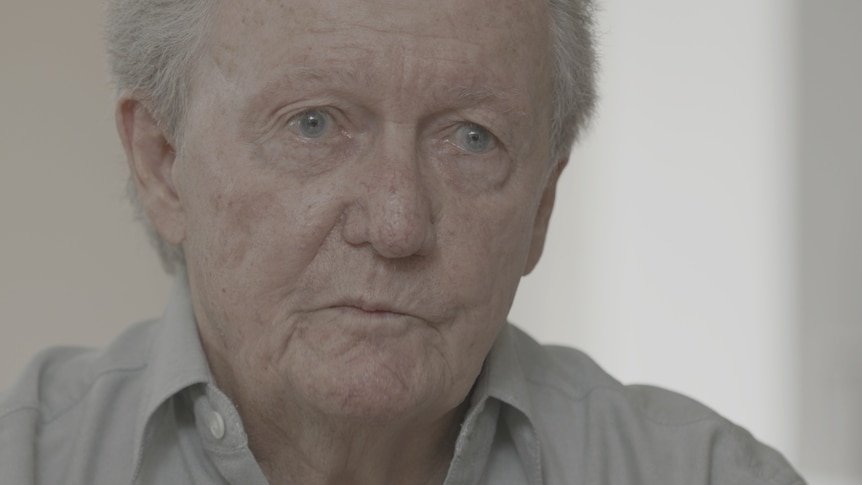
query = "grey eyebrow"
{"x": 468, "y": 96}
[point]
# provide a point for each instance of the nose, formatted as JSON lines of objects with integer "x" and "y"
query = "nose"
{"x": 391, "y": 208}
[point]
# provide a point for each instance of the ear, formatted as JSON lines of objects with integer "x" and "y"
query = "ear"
{"x": 543, "y": 216}
{"x": 151, "y": 157}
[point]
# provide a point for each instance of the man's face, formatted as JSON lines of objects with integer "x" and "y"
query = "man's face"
{"x": 359, "y": 187}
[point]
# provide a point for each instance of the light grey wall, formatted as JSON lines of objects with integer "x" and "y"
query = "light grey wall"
{"x": 671, "y": 258}
{"x": 74, "y": 268}
{"x": 830, "y": 236}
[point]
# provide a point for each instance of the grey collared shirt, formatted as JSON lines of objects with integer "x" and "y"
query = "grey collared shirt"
{"x": 145, "y": 410}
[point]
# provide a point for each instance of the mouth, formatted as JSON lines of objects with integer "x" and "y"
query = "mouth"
{"x": 377, "y": 309}
{"x": 367, "y": 320}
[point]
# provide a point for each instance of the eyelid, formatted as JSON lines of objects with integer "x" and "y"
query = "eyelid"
{"x": 294, "y": 118}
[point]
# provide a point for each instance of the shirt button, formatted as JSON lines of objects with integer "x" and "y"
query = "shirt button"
{"x": 216, "y": 424}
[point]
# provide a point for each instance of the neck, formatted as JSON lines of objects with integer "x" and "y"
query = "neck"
{"x": 310, "y": 449}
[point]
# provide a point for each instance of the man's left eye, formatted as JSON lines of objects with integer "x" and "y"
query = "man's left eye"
{"x": 311, "y": 124}
{"x": 473, "y": 138}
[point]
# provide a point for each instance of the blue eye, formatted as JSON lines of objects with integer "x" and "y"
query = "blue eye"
{"x": 312, "y": 123}
{"x": 474, "y": 138}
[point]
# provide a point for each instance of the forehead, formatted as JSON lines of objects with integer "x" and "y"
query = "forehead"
{"x": 476, "y": 21}
{"x": 472, "y": 48}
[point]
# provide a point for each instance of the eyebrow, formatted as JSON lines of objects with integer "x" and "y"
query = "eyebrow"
{"x": 469, "y": 95}
{"x": 299, "y": 74}
{"x": 458, "y": 96}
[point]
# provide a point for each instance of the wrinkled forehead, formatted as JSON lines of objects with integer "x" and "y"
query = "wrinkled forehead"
{"x": 421, "y": 17}
{"x": 268, "y": 33}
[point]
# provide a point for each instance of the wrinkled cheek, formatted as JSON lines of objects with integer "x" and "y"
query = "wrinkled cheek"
{"x": 234, "y": 228}
{"x": 256, "y": 250}
{"x": 499, "y": 247}
{"x": 265, "y": 343}
{"x": 487, "y": 273}
{"x": 221, "y": 261}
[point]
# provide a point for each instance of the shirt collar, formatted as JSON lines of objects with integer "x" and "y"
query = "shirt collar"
{"x": 504, "y": 376}
{"x": 175, "y": 360}
{"x": 505, "y": 379}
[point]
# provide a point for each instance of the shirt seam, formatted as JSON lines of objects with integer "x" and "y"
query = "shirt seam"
{"x": 768, "y": 480}
{"x": 14, "y": 410}
{"x": 710, "y": 415}
{"x": 49, "y": 418}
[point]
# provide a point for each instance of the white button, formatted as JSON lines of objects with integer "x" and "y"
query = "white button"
{"x": 216, "y": 423}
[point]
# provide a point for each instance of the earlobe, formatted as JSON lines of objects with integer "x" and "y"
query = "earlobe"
{"x": 543, "y": 217}
{"x": 151, "y": 157}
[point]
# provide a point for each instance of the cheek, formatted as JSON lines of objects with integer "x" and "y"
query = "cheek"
{"x": 251, "y": 239}
{"x": 228, "y": 226}
{"x": 251, "y": 216}
{"x": 488, "y": 252}
{"x": 490, "y": 242}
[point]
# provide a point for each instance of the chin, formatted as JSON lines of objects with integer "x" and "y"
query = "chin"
{"x": 379, "y": 390}
{"x": 370, "y": 372}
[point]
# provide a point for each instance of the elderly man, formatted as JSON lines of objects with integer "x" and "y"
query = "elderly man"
{"x": 348, "y": 192}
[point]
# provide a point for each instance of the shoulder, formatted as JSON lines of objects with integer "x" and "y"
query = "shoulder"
{"x": 61, "y": 394}
{"x": 603, "y": 431}
{"x": 57, "y": 378}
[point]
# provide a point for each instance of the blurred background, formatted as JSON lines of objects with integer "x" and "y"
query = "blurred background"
{"x": 707, "y": 236}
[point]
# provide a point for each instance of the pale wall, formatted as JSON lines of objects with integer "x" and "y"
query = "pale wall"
{"x": 74, "y": 268}
{"x": 672, "y": 257}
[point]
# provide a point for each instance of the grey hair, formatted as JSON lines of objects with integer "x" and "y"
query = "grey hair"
{"x": 152, "y": 46}
{"x": 574, "y": 68}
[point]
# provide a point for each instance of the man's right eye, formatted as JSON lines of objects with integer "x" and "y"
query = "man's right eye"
{"x": 311, "y": 124}
{"x": 474, "y": 139}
